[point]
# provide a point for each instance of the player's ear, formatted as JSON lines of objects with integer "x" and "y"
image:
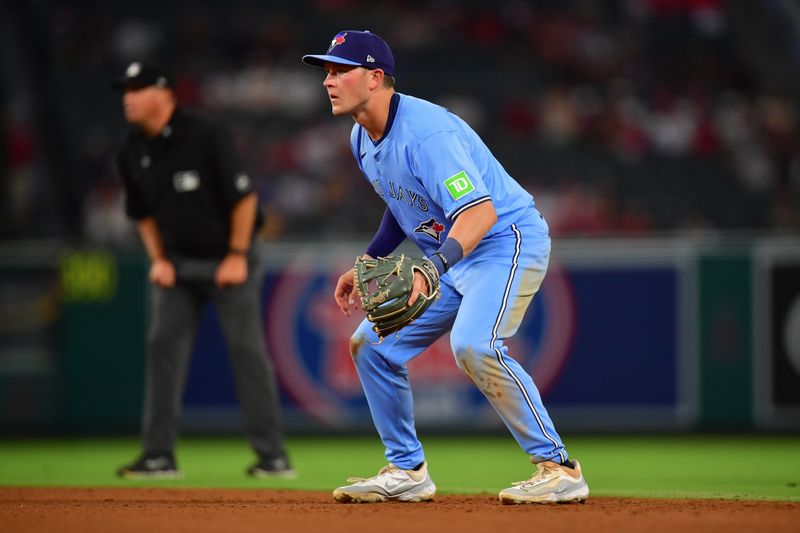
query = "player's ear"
{"x": 376, "y": 78}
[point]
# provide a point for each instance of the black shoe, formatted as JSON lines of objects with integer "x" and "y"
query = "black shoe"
{"x": 151, "y": 466}
{"x": 271, "y": 467}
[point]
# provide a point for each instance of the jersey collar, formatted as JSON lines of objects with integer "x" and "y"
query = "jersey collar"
{"x": 393, "y": 103}
{"x": 176, "y": 124}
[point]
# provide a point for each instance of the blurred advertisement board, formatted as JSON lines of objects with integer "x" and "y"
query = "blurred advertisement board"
{"x": 777, "y": 363}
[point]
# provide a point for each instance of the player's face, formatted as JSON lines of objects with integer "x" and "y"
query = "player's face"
{"x": 140, "y": 104}
{"x": 347, "y": 86}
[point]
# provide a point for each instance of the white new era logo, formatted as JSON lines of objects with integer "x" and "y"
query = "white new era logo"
{"x": 370, "y": 59}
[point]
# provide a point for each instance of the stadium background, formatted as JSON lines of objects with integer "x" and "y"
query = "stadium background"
{"x": 659, "y": 137}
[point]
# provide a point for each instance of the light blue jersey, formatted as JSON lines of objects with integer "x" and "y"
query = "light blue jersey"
{"x": 430, "y": 167}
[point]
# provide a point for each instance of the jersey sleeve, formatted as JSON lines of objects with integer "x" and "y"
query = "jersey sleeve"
{"x": 449, "y": 174}
{"x": 235, "y": 182}
{"x": 135, "y": 206}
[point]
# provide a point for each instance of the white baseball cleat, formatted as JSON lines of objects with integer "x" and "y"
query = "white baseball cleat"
{"x": 391, "y": 483}
{"x": 552, "y": 483}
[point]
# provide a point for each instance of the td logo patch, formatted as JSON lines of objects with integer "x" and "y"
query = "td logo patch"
{"x": 459, "y": 185}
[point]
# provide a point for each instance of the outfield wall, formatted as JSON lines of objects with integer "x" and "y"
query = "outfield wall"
{"x": 655, "y": 334}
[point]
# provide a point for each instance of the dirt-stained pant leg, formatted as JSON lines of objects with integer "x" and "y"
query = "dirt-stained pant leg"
{"x": 382, "y": 370}
{"x": 175, "y": 313}
{"x": 497, "y": 287}
{"x": 241, "y": 318}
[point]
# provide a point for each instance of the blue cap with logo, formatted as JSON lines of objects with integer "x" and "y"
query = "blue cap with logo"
{"x": 357, "y": 48}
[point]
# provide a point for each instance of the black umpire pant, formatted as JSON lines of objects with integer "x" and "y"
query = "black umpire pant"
{"x": 176, "y": 313}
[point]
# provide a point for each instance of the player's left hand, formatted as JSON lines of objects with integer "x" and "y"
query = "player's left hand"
{"x": 387, "y": 285}
{"x": 231, "y": 271}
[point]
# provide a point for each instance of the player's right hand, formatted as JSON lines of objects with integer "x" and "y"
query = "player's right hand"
{"x": 343, "y": 294}
{"x": 162, "y": 273}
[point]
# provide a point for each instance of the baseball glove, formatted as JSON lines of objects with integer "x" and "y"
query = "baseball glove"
{"x": 384, "y": 286}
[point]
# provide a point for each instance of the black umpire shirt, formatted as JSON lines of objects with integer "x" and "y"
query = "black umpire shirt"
{"x": 188, "y": 179}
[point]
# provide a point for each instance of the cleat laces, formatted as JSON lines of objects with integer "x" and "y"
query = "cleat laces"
{"x": 541, "y": 474}
{"x": 385, "y": 470}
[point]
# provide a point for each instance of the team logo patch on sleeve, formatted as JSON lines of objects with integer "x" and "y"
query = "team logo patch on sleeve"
{"x": 431, "y": 228}
{"x": 459, "y": 185}
{"x": 241, "y": 182}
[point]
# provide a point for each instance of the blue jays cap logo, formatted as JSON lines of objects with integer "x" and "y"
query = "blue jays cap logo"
{"x": 336, "y": 41}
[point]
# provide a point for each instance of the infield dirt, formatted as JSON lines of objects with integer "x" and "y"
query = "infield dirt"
{"x": 89, "y": 510}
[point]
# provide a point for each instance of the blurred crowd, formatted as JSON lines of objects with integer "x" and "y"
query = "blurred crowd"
{"x": 624, "y": 117}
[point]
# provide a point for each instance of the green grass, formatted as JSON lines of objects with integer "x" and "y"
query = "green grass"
{"x": 741, "y": 467}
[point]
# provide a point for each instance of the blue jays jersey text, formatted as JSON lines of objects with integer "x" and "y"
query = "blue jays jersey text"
{"x": 430, "y": 166}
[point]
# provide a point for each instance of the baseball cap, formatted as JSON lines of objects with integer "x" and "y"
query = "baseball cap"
{"x": 357, "y": 48}
{"x": 139, "y": 75}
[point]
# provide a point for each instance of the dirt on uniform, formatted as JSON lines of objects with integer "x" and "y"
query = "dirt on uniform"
{"x": 151, "y": 510}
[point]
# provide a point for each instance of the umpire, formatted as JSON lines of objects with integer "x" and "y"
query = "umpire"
{"x": 196, "y": 213}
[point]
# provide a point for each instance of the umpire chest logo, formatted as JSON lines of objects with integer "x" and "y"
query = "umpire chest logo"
{"x": 186, "y": 180}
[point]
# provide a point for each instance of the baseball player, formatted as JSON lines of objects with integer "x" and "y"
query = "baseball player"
{"x": 446, "y": 192}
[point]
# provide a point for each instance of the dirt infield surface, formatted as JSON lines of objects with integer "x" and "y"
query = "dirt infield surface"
{"x": 90, "y": 510}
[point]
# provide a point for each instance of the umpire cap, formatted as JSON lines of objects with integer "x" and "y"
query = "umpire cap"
{"x": 357, "y": 48}
{"x": 139, "y": 75}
